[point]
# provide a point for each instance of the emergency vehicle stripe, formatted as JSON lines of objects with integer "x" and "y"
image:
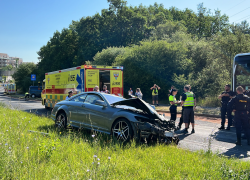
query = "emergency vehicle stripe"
{"x": 59, "y": 91}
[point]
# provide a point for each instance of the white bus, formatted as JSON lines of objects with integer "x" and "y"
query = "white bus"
{"x": 241, "y": 71}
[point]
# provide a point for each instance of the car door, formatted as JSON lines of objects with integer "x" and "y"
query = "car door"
{"x": 98, "y": 116}
{"x": 77, "y": 113}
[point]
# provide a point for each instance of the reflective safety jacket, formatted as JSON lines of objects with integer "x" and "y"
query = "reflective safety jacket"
{"x": 155, "y": 92}
{"x": 173, "y": 99}
{"x": 26, "y": 93}
{"x": 190, "y": 99}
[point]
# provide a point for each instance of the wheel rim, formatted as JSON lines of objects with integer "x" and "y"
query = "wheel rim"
{"x": 121, "y": 131}
{"x": 33, "y": 96}
{"x": 60, "y": 120}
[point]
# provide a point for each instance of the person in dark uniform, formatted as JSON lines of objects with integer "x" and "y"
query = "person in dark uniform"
{"x": 225, "y": 97}
{"x": 173, "y": 102}
{"x": 247, "y": 93}
{"x": 181, "y": 119}
{"x": 240, "y": 105}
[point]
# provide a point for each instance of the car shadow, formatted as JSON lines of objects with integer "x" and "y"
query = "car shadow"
{"x": 39, "y": 112}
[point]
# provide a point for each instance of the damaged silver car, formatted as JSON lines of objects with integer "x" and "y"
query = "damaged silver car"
{"x": 122, "y": 118}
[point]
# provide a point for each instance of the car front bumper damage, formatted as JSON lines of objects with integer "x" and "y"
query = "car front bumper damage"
{"x": 149, "y": 131}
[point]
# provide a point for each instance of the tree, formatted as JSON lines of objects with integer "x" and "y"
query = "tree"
{"x": 7, "y": 68}
{"x": 22, "y": 76}
{"x": 107, "y": 56}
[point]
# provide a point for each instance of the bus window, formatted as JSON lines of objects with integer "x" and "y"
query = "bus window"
{"x": 241, "y": 73}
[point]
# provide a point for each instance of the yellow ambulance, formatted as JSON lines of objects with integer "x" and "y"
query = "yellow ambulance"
{"x": 57, "y": 84}
{"x": 10, "y": 88}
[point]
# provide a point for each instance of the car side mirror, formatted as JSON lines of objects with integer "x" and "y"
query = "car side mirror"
{"x": 100, "y": 103}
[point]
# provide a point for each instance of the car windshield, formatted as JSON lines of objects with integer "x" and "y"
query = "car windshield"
{"x": 112, "y": 98}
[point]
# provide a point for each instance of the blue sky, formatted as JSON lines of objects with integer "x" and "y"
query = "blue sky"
{"x": 27, "y": 25}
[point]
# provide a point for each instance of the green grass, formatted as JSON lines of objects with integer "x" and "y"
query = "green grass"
{"x": 69, "y": 155}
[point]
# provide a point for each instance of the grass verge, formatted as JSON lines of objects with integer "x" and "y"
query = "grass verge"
{"x": 79, "y": 155}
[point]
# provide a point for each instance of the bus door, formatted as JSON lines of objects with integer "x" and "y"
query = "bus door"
{"x": 116, "y": 83}
{"x": 92, "y": 79}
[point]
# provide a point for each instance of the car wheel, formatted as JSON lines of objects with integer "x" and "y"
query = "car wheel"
{"x": 122, "y": 130}
{"x": 61, "y": 120}
{"x": 33, "y": 95}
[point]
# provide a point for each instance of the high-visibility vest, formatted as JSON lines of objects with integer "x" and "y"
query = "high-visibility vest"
{"x": 190, "y": 99}
{"x": 26, "y": 93}
{"x": 155, "y": 90}
{"x": 172, "y": 98}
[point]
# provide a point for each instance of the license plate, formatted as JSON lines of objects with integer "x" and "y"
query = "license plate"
{"x": 169, "y": 134}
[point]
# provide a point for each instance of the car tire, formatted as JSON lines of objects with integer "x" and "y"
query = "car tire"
{"x": 122, "y": 130}
{"x": 61, "y": 121}
{"x": 33, "y": 95}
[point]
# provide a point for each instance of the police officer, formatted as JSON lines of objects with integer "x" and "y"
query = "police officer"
{"x": 247, "y": 93}
{"x": 188, "y": 101}
{"x": 241, "y": 107}
{"x": 225, "y": 98}
{"x": 70, "y": 94}
{"x": 173, "y": 103}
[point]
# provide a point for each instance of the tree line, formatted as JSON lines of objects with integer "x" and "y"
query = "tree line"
{"x": 154, "y": 44}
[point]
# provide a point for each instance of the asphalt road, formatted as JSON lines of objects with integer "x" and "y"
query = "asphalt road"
{"x": 28, "y": 106}
{"x": 206, "y": 136}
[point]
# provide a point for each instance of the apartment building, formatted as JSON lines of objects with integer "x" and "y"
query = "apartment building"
{"x": 5, "y": 60}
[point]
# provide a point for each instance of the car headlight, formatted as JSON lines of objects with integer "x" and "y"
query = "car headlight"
{"x": 141, "y": 119}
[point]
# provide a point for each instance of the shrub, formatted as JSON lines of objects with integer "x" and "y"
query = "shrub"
{"x": 211, "y": 101}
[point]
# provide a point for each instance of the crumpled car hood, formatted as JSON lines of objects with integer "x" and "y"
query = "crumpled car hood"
{"x": 140, "y": 104}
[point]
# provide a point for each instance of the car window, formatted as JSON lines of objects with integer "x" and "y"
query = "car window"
{"x": 112, "y": 98}
{"x": 80, "y": 98}
{"x": 92, "y": 98}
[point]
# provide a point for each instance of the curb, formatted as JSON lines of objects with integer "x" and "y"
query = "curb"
{"x": 196, "y": 114}
{"x": 23, "y": 99}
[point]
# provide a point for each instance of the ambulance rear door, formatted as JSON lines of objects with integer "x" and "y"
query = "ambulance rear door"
{"x": 116, "y": 82}
{"x": 91, "y": 79}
